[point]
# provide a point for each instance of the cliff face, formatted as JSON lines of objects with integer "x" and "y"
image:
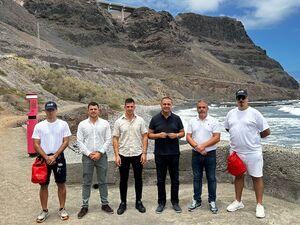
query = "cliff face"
{"x": 150, "y": 55}
{"x": 228, "y": 41}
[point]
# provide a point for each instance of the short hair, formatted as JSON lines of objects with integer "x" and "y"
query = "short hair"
{"x": 93, "y": 104}
{"x": 202, "y": 100}
{"x": 166, "y": 97}
{"x": 129, "y": 100}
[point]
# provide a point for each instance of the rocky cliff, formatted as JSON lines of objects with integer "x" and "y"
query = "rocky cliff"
{"x": 84, "y": 53}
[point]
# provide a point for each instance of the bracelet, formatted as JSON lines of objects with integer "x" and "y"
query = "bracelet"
{"x": 144, "y": 153}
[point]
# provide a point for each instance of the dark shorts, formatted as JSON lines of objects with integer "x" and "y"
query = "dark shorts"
{"x": 59, "y": 170}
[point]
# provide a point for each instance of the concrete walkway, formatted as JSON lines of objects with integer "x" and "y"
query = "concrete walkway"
{"x": 20, "y": 202}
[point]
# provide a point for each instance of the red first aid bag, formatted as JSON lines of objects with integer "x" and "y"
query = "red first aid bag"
{"x": 39, "y": 171}
{"x": 235, "y": 165}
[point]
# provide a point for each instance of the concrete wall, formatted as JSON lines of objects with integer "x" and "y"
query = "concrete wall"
{"x": 281, "y": 171}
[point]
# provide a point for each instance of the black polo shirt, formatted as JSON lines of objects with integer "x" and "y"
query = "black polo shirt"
{"x": 173, "y": 124}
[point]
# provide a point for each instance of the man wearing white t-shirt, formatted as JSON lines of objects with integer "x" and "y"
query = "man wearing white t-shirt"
{"x": 203, "y": 133}
{"x": 51, "y": 137}
{"x": 246, "y": 127}
{"x": 94, "y": 138}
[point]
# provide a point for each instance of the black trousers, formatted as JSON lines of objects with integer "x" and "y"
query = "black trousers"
{"x": 124, "y": 173}
{"x": 164, "y": 163}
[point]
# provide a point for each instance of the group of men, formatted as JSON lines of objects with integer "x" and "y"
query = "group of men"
{"x": 130, "y": 142}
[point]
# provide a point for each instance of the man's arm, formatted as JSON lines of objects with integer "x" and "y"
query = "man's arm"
{"x": 145, "y": 147}
{"x": 39, "y": 150}
{"x": 178, "y": 135}
{"x": 152, "y": 135}
{"x": 116, "y": 150}
{"x": 212, "y": 141}
{"x": 80, "y": 140}
{"x": 265, "y": 133}
{"x": 63, "y": 146}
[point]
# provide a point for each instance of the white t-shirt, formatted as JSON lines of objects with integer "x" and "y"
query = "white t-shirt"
{"x": 51, "y": 134}
{"x": 202, "y": 130}
{"x": 244, "y": 128}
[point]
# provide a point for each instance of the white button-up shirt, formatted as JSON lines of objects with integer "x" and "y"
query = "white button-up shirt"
{"x": 202, "y": 130}
{"x": 130, "y": 135}
{"x": 93, "y": 136}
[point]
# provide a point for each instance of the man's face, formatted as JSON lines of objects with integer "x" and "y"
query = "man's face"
{"x": 93, "y": 111}
{"x": 166, "y": 105}
{"x": 51, "y": 114}
{"x": 202, "y": 109}
{"x": 242, "y": 101}
{"x": 129, "y": 108}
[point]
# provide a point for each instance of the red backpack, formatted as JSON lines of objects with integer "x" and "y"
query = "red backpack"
{"x": 235, "y": 165}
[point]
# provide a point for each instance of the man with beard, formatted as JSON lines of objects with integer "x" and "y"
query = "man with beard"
{"x": 246, "y": 127}
{"x": 203, "y": 133}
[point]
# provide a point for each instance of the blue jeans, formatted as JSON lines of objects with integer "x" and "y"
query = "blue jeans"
{"x": 209, "y": 163}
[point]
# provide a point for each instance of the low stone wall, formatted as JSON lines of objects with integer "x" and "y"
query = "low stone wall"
{"x": 281, "y": 171}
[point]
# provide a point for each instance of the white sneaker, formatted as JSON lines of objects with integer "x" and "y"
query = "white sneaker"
{"x": 42, "y": 216}
{"x": 260, "y": 211}
{"x": 63, "y": 214}
{"x": 235, "y": 205}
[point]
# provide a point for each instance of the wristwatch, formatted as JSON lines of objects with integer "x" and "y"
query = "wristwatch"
{"x": 177, "y": 135}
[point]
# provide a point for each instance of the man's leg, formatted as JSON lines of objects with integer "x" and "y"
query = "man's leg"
{"x": 101, "y": 168}
{"x": 87, "y": 179}
{"x": 44, "y": 196}
{"x": 62, "y": 194}
{"x": 161, "y": 172}
{"x": 124, "y": 173}
{"x": 197, "y": 166}
{"x": 173, "y": 167}
{"x": 239, "y": 185}
{"x": 258, "y": 185}
{"x": 210, "y": 170}
{"x": 138, "y": 179}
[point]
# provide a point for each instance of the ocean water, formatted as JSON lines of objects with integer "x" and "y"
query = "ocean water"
{"x": 283, "y": 118}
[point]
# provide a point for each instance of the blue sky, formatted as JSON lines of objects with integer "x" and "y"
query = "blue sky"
{"x": 274, "y": 25}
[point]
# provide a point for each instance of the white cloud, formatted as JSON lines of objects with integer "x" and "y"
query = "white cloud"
{"x": 178, "y": 5}
{"x": 203, "y": 5}
{"x": 263, "y": 13}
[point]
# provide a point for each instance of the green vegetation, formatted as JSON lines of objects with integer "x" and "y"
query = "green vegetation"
{"x": 67, "y": 87}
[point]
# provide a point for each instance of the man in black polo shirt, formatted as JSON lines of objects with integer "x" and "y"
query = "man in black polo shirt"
{"x": 166, "y": 128}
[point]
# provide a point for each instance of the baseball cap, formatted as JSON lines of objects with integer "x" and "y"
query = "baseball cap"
{"x": 241, "y": 92}
{"x": 50, "y": 106}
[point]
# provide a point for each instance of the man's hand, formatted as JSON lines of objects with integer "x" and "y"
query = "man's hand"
{"x": 143, "y": 158}
{"x": 95, "y": 155}
{"x": 163, "y": 135}
{"x": 51, "y": 160}
{"x": 117, "y": 160}
{"x": 172, "y": 135}
{"x": 201, "y": 149}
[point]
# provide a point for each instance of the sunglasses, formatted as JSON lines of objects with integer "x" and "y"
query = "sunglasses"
{"x": 240, "y": 98}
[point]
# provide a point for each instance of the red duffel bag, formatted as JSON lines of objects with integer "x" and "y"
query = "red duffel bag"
{"x": 235, "y": 165}
{"x": 39, "y": 171}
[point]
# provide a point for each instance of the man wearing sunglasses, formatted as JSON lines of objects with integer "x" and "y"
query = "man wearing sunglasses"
{"x": 246, "y": 127}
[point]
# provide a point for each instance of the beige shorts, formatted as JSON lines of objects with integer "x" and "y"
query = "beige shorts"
{"x": 254, "y": 163}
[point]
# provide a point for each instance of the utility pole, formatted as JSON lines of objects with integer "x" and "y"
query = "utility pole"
{"x": 38, "y": 32}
